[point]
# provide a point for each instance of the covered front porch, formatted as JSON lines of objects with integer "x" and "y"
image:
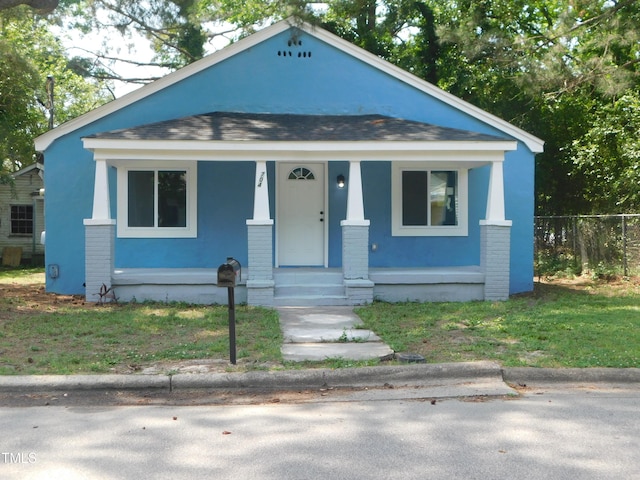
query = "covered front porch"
{"x": 354, "y": 282}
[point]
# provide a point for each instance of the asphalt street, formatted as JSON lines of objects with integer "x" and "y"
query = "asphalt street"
{"x": 559, "y": 431}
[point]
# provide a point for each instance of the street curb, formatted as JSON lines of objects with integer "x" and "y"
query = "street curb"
{"x": 378, "y": 376}
{"x": 420, "y": 374}
{"x": 531, "y": 375}
{"x": 67, "y": 383}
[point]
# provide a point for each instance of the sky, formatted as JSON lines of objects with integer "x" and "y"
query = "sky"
{"x": 82, "y": 46}
{"x": 135, "y": 48}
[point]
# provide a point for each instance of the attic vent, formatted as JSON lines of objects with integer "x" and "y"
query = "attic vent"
{"x": 293, "y": 51}
{"x": 289, "y": 53}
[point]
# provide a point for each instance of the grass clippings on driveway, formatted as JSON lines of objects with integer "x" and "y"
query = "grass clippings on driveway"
{"x": 578, "y": 323}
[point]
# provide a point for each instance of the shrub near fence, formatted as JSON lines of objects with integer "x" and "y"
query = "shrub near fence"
{"x": 598, "y": 244}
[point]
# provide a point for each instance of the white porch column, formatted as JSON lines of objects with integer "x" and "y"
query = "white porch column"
{"x": 261, "y": 193}
{"x": 355, "y": 203}
{"x": 260, "y": 285}
{"x": 99, "y": 237}
{"x": 355, "y": 242}
{"x": 495, "y": 199}
{"x": 101, "y": 203}
{"x": 495, "y": 239}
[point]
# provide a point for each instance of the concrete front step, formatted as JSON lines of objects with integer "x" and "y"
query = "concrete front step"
{"x": 331, "y": 335}
{"x": 297, "y": 276}
{"x": 309, "y": 289}
{"x": 317, "y": 333}
{"x": 310, "y": 300}
{"x": 298, "y": 352}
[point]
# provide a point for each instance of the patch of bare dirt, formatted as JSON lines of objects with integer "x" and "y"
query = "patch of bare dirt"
{"x": 19, "y": 297}
{"x": 27, "y": 298}
{"x": 611, "y": 285}
{"x": 206, "y": 365}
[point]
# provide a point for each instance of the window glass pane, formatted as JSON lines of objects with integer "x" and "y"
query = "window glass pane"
{"x": 444, "y": 198}
{"x": 172, "y": 199}
{"x": 415, "y": 201}
{"x": 22, "y": 219}
{"x": 301, "y": 173}
{"x": 141, "y": 204}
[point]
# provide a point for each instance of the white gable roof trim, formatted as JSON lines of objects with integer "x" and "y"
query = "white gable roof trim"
{"x": 34, "y": 166}
{"x": 473, "y": 153}
{"x": 533, "y": 143}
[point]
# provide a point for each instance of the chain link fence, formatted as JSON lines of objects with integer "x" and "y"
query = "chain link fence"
{"x": 598, "y": 244}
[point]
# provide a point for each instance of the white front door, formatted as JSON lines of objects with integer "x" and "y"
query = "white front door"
{"x": 301, "y": 214}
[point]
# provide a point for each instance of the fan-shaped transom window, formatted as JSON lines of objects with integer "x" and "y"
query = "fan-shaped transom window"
{"x": 301, "y": 173}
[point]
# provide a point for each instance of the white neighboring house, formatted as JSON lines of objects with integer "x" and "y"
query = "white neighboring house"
{"x": 22, "y": 213}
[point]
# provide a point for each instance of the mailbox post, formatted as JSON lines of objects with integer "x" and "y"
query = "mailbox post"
{"x": 227, "y": 273}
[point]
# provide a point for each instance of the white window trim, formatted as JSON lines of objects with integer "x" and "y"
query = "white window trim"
{"x": 399, "y": 230}
{"x": 191, "y": 229}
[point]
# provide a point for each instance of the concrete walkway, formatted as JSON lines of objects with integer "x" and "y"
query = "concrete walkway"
{"x": 319, "y": 333}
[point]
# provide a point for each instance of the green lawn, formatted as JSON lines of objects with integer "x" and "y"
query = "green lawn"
{"x": 99, "y": 339}
{"x": 592, "y": 325}
{"x": 47, "y": 334}
{"x": 588, "y": 324}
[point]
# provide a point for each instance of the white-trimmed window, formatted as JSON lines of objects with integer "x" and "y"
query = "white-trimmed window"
{"x": 157, "y": 201}
{"x": 428, "y": 201}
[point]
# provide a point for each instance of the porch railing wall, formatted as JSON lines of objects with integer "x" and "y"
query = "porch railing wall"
{"x": 598, "y": 244}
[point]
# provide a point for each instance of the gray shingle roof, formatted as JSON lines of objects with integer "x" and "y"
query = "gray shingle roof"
{"x": 227, "y": 126}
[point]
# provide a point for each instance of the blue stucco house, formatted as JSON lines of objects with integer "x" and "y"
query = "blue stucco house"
{"x": 332, "y": 176}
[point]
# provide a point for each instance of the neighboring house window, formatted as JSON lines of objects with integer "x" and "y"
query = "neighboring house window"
{"x": 429, "y": 201}
{"x": 157, "y": 202}
{"x": 21, "y": 219}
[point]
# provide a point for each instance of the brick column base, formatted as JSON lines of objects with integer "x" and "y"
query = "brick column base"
{"x": 260, "y": 284}
{"x": 495, "y": 248}
{"x": 355, "y": 263}
{"x": 99, "y": 247}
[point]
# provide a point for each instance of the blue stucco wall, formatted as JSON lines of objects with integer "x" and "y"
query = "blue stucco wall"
{"x": 258, "y": 80}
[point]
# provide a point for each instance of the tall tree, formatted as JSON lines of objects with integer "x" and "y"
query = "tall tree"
{"x": 172, "y": 29}
{"x": 607, "y": 156}
{"x": 29, "y": 53}
{"x": 19, "y": 114}
{"x": 546, "y": 66}
{"x": 43, "y": 5}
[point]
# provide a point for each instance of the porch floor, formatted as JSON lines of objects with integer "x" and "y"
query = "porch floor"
{"x": 302, "y": 286}
{"x": 195, "y": 276}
